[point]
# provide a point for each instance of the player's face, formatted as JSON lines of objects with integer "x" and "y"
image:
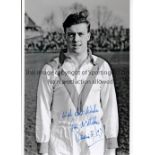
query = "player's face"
{"x": 77, "y": 37}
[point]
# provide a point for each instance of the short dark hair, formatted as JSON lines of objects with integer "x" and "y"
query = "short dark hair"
{"x": 77, "y": 18}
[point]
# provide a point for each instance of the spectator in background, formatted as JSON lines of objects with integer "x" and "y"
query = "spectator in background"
{"x": 114, "y": 38}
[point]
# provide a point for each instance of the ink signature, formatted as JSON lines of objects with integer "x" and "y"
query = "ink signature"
{"x": 88, "y": 110}
{"x": 84, "y": 125}
{"x": 91, "y": 134}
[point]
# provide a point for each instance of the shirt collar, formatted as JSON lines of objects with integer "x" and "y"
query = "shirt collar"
{"x": 64, "y": 55}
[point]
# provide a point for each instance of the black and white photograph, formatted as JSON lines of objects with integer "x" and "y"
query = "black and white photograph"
{"x": 76, "y": 77}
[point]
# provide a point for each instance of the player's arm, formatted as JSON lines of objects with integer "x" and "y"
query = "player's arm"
{"x": 43, "y": 113}
{"x": 110, "y": 111}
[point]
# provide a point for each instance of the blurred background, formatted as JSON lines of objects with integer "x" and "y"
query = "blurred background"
{"x": 44, "y": 39}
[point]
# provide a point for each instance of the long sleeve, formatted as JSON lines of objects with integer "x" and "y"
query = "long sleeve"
{"x": 110, "y": 109}
{"x": 43, "y": 113}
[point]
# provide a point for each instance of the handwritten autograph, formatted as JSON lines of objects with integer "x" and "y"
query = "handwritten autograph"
{"x": 77, "y": 128}
{"x": 96, "y": 133}
{"x": 88, "y": 110}
{"x": 83, "y": 125}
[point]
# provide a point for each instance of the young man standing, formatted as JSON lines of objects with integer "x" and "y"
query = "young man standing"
{"x": 76, "y": 102}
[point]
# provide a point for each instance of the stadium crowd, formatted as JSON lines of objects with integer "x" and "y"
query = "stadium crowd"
{"x": 114, "y": 38}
